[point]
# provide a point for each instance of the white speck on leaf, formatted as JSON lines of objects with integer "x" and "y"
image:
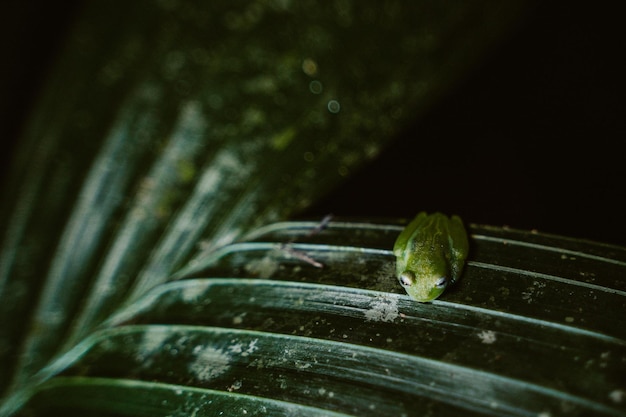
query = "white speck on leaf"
{"x": 239, "y": 319}
{"x": 210, "y": 363}
{"x": 252, "y": 347}
{"x": 235, "y": 386}
{"x": 191, "y": 293}
{"x": 153, "y": 341}
{"x": 487, "y": 336}
{"x": 235, "y": 348}
{"x": 617, "y": 396}
{"x": 382, "y": 308}
{"x": 264, "y": 267}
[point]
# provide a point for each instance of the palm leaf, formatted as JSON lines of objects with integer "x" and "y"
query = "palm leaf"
{"x": 252, "y": 328}
{"x": 156, "y": 144}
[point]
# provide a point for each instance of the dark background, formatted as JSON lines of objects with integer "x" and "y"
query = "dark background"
{"x": 532, "y": 138}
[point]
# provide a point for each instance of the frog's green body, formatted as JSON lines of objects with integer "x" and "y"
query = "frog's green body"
{"x": 430, "y": 253}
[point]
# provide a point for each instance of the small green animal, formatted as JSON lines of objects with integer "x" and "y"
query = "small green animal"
{"x": 430, "y": 253}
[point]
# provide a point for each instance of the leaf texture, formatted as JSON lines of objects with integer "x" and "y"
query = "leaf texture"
{"x": 531, "y": 329}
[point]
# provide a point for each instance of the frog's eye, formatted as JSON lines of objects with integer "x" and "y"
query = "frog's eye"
{"x": 407, "y": 278}
{"x": 441, "y": 282}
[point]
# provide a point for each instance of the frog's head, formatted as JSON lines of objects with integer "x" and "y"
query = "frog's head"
{"x": 422, "y": 288}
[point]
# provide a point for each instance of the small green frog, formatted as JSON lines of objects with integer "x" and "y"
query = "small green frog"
{"x": 430, "y": 253}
